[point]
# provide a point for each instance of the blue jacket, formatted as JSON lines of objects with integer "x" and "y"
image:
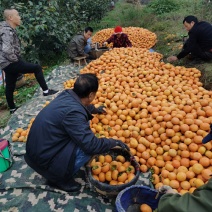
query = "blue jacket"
{"x": 58, "y": 130}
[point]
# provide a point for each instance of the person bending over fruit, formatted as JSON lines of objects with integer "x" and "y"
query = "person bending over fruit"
{"x": 61, "y": 141}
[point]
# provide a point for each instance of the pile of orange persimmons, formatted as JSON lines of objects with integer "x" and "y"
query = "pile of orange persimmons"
{"x": 161, "y": 111}
{"x": 21, "y": 134}
{"x": 139, "y": 37}
{"x": 69, "y": 83}
{"x": 114, "y": 171}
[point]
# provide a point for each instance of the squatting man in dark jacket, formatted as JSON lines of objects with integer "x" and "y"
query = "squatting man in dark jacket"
{"x": 60, "y": 140}
{"x": 199, "y": 43}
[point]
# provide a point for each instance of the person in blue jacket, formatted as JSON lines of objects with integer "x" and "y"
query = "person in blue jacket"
{"x": 88, "y": 47}
{"x": 60, "y": 140}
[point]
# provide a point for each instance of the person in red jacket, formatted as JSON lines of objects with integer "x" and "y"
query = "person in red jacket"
{"x": 199, "y": 43}
{"x": 119, "y": 39}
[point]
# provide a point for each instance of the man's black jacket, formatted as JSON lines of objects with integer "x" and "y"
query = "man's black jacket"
{"x": 200, "y": 37}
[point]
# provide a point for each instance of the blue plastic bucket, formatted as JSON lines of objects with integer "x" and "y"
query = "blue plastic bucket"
{"x": 137, "y": 195}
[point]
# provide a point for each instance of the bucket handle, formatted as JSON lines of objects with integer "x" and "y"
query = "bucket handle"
{"x": 8, "y": 159}
{"x": 11, "y": 154}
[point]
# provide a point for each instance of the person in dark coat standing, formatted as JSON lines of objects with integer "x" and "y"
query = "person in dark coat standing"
{"x": 60, "y": 140}
{"x": 199, "y": 43}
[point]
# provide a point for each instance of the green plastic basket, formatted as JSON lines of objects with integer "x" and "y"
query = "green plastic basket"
{"x": 5, "y": 155}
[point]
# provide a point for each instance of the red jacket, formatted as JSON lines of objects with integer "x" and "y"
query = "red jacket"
{"x": 123, "y": 41}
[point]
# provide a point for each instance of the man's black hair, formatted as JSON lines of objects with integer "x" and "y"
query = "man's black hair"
{"x": 85, "y": 84}
{"x": 88, "y": 29}
{"x": 190, "y": 18}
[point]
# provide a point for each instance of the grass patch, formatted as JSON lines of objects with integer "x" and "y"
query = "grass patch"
{"x": 5, "y": 116}
{"x": 124, "y": 14}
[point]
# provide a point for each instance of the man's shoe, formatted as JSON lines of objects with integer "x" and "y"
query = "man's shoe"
{"x": 50, "y": 92}
{"x": 13, "y": 110}
{"x": 71, "y": 186}
{"x": 191, "y": 57}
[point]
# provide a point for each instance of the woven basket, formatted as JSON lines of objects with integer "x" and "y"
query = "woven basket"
{"x": 130, "y": 199}
{"x": 112, "y": 190}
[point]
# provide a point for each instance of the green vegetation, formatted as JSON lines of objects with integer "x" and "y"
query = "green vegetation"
{"x": 163, "y": 6}
{"x": 49, "y": 25}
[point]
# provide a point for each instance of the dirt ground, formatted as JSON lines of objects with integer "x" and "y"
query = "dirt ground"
{"x": 206, "y": 70}
{"x": 206, "y": 77}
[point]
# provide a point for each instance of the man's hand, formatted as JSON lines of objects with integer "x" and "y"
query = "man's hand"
{"x": 166, "y": 190}
{"x": 172, "y": 59}
{"x": 93, "y": 45}
{"x": 122, "y": 145}
{"x": 172, "y": 191}
{"x": 101, "y": 109}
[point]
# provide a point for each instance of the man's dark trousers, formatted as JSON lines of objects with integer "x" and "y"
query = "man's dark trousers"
{"x": 12, "y": 72}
